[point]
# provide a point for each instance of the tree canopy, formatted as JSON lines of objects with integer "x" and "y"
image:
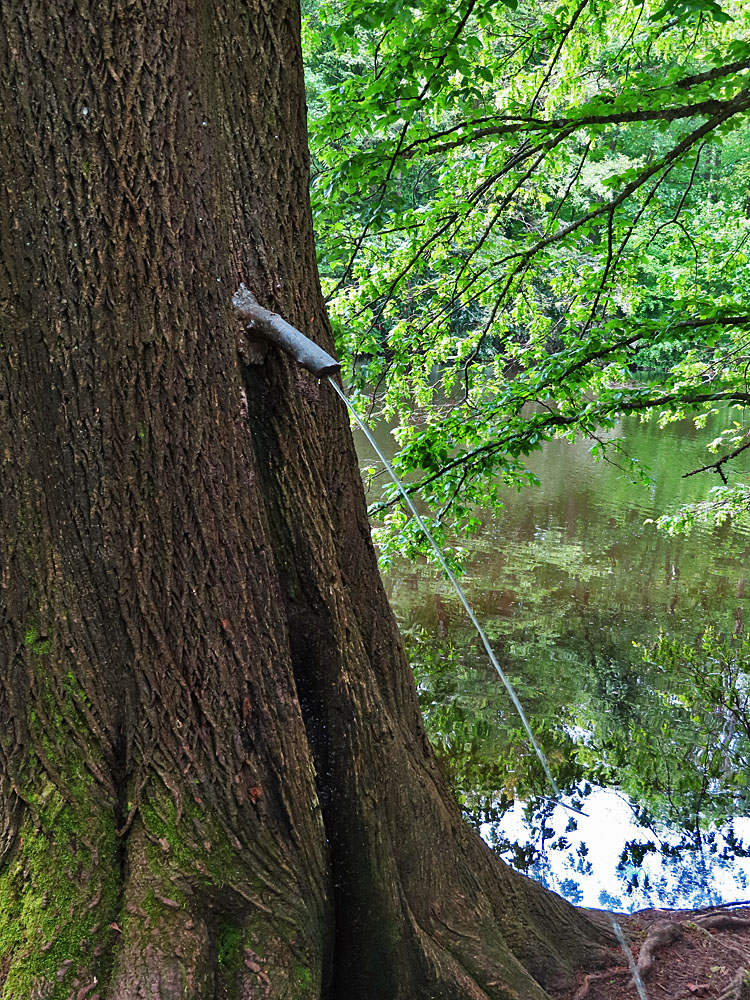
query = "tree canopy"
{"x": 531, "y": 219}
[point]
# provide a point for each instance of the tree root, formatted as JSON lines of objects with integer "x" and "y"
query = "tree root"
{"x": 739, "y": 988}
{"x": 663, "y": 932}
{"x": 730, "y": 947}
{"x": 593, "y": 977}
{"x": 660, "y": 934}
{"x": 722, "y": 922}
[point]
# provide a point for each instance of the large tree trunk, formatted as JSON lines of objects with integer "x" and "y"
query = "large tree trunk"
{"x": 214, "y": 779}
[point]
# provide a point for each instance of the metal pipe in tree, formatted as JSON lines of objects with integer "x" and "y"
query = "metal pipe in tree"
{"x": 271, "y": 326}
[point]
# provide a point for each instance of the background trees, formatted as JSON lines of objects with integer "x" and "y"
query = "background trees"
{"x": 552, "y": 192}
{"x": 532, "y": 220}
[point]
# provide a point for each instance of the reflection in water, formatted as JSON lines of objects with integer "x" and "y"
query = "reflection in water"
{"x": 441, "y": 560}
{"x": 566, "y": 580}
{"x": 609, "y": 860}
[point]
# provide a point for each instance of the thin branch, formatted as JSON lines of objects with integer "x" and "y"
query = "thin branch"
{"x": 553, "y": 62}
{"x": 512, "y": 124}
{"x": 402, "y": 137}
{"x": 709, "y": 75}
{"x": 694, "y": 324}
{"x": 613, "y": 261}
{"x": 717, "y": 465}
{"x": 571, "y": 185}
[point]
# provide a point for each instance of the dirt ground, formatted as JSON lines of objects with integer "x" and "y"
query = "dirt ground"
{"x": 677, "y": 955}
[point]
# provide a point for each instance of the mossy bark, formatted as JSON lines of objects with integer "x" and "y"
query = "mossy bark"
{"x": 214, "y": 779}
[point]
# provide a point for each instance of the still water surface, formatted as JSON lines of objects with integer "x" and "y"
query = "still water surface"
{"x": 566, "y": 579}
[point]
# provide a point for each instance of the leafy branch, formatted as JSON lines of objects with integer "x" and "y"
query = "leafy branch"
{"x": 540, "y": 427}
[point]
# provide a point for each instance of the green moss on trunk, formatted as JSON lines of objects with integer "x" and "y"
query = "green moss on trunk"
{"x": 59, "y": 895}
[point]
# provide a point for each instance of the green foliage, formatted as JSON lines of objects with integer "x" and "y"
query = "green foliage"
{"x": 532, "y": 219}
{"x": 684, "y": 755}
{"x": 529, "y": 223}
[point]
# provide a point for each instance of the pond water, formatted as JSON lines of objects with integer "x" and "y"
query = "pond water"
{"x": 574, "y": 588}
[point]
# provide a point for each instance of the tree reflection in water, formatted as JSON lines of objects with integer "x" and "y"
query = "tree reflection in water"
{"x": 575, "y": 590}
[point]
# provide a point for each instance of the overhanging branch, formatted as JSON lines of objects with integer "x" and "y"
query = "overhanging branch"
{"x": 717, "y": 465}
{"x": 553, "y": 421}
{"x": 514, "y": 124}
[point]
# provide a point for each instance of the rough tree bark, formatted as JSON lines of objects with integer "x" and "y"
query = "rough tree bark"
{"x": 214, "y": 779}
